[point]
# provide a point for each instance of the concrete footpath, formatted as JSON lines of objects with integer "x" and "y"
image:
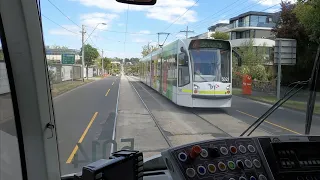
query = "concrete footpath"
{"x": 134, "y": 121}
{"x": 179, "y": 125}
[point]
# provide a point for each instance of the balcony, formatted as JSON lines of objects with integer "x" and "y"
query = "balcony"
{"x": 245, "y": 26}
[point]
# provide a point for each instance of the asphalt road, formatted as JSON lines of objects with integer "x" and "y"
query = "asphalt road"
{"x": 85, "y": 115}
{"x": 282, "y": 121}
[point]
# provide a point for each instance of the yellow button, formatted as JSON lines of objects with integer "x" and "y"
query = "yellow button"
{"x": 212, "y": 168}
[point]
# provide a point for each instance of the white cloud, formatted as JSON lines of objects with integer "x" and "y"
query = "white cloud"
{"x": 120, "y": 24}
{"x": 165, "y": 10}
{"x": 122, "y": 54}
{"x": 73, "y": 31}
{"x": 171, "y": 14}
{"x": 144, "y": 32}
{"x": 223, "y": 21}
{"x": 93, "y": 19}
{"x": 271, "y": 2}
{"x": 273, "y": 10}
{"x": 140, "y": 40}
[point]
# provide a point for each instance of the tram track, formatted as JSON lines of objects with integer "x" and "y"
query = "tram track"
{"x": 138, "y": 85}
{"x": 152, "y": 116}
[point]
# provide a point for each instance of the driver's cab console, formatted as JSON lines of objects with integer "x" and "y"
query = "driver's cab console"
{"x": 246, "y": 158}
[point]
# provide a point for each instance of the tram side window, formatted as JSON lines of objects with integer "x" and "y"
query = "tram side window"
{"x": 10, "y": 167}
{"x": 183, "y": 70}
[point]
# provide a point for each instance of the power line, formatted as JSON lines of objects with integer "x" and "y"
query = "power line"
{"x": 59, "y": 24}
{"x": 123, "y": 32}
{"x": 229, "y": 5}
{"x": 63, "y": 14}
{"x": 247, "y": 7}
{"x": 181, "y": 15}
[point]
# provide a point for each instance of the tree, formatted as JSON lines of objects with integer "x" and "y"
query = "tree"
{"x": 253, "y": 59}
{"x": 308, "y": 13}
{"x": 220, "y": 35}
{"x": 90, "y": 54}
{"x": 145, "y": 50}
{"x": 289, "y": 26}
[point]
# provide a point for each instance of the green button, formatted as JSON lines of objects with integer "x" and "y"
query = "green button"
{"x": 231, "y": 165}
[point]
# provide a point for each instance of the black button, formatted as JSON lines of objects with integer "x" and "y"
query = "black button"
{"x": 240, "y": 164}
{"x": 213, "y": 152}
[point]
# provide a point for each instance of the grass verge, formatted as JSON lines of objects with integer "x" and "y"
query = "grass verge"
{"x": 65, "y": 86}
{"x": 298, "y": 105}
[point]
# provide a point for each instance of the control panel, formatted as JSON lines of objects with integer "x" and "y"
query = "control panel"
{"x": 247, "y": 158}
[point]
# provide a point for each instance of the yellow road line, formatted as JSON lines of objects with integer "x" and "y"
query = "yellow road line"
{"x": 112, "y": 83}
{"x": 75, "y": 149}
{"x": 107, "y": 92}
{"x": 270, "y": 123}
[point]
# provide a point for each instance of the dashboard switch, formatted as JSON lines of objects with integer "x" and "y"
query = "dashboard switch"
{"x": 204, "y": 153}
{"x": 242, "y": 178}
{"x": 190, "y": 172}
{"x": 242, "y": 149}
{"x": 213, "y": 152}
{"x": 201, "y": 170}
{"x": 222, "y": 166}
{"x": 251, "y": 148}
{"x": 224, "y": 150}
{"x": 262, "y": 177}
{"x": 233, "y": 150}
{"x": 212, "y": 168}
{"x": 248, "y": 163}
{"x": 231, "y": 165}
{"x": 195, "y": 151}
{"x": 256, "y": 163}
{"x": 182, "y": 156}
{"x": 253, "y": 178}
{"x": 240, "y": 164}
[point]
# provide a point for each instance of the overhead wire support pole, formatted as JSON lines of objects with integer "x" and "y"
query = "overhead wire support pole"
{"x": 187, "y": 32}
{"x": 162, "y": 33}
{"x": 82, "y": 53}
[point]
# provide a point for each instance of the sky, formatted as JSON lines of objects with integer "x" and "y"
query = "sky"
{"x": 129, "y": 27}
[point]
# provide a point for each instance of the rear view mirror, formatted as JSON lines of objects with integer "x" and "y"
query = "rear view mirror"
{"x": 138, "y": 2}
{"x": 237, "y": 55}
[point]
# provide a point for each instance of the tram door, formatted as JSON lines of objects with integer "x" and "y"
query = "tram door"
{"x": 184, "y": 81}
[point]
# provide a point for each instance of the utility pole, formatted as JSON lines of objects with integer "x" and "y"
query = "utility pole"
{"x": 187, "y": 31}
{"x": 102, "y": 62}
{"x": 82, "y": 56}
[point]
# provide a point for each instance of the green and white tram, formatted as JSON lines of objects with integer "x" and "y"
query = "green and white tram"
{"x": 191, "y": 73}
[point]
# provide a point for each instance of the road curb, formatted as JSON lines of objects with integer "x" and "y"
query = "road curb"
{"x": 54, "y": 98}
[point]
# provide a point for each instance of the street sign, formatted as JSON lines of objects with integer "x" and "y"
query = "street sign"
{"x": 67, "y": 58}
{"x": 285, "y": 51}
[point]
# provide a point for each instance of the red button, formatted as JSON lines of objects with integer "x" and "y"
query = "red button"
{"x": 233, "y": 149}
{"x": 195, "y": 151}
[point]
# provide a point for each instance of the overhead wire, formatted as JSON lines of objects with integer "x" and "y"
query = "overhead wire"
{"x": 181, "y": 15}
{"x": 230, "y": 15}
{"x": 59, "y": 24}
{"x": 63, "y": 13}
{"x": 203, "y": 20}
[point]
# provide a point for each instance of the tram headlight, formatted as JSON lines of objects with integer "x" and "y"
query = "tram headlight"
{"x": 228, "y": 88}
{"x": 195, "y": 88}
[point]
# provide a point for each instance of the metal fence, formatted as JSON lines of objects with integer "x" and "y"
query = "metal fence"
{"x": 59, "y": 73}
{"x": 4, "y": 83}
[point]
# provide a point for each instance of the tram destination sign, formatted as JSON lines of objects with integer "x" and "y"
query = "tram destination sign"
{"x": 67, "y": 58}
{"x": 208, "y": 43}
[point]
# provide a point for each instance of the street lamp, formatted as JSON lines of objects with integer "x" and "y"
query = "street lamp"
{"x": 83, "y": 41}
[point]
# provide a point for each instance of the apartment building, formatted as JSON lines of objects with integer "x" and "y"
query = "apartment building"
{"x": 252, "y": 24}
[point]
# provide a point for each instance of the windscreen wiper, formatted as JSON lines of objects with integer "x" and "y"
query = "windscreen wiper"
{"x": 201, "y": 77}
{"x": 274, "y": 107}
